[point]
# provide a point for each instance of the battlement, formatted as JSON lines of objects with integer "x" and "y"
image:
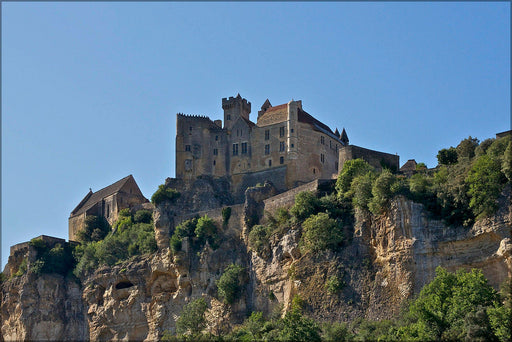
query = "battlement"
{"x": 229, "y": 103}
{"x": 193, "y": 116}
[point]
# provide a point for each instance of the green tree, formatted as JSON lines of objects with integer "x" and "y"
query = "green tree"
{"x": 506, "y": 166}
{"x": 206, "y": 230}
{"x": 350, "y": 170}
{"x": 164, "y": 193}
{"x": 485, "y": 181}
{"x": 143, "y": 216}
{"x": 306, "y": 204}
{"x": 447, "y": 156}
{"x": 442, "y": 306}
{"x": 382, "y": 192}
{"x": 192, "y": 320}
{"x": 321, "y": 232}
{"x": 259, "y": 240}
{"x": 361, "y": 188}
{"x": 466, "y": 148}
{"x": 231, "y": 282}
{"x": 95, "y": 229}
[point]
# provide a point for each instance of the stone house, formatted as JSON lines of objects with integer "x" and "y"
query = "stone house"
{"x": 286, "y": 145}
{"x": 106, "y": 203}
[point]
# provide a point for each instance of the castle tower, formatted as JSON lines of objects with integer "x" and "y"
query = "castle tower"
{"x": 235, "y": 107}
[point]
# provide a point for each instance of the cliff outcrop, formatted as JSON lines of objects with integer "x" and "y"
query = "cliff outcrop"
{"x": 384, "y": 261}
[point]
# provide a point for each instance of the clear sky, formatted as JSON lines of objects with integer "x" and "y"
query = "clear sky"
{"x": 90, "y": 90}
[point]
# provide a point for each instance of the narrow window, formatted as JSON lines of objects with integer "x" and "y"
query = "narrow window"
{"x": 292, "y": 130}
{"x": 270, "y": 162}
{"x": 190, "y": 128}
{"x": 235, "y": 149}
{"x": 216, "y": 137}
{"x": 322, "y": 140}
{"x": 244, "y": 148}
{"x": 293, "y": 145}
{"x": 281, "y": 131}
{"x": 336, "y": 165}
{"x": 215, "y": 151}
{"x": 281, "y": 160}
{"x": 108, "y": 210}
{"x": 281, "y": 146}
{"x": 267, "y": 134}
{"x": 267, "y": 149}
{"x": 187, "y": 148}
{"x": 214, "y": 162}
{"x": 314, "y": 170}
{"x": 228, "y": 117}
{"x": 322, "y": 158}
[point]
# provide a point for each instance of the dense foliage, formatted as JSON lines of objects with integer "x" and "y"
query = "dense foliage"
{"x": 464, "y": 187}
{"x": 130, "y": 237}
{"x": 164, "y": 193}
{"x": 199, "y": 230}
{"x": 58, "y": 259}
{"x": 231, "y": 282}
{"x": 95, "y": 229}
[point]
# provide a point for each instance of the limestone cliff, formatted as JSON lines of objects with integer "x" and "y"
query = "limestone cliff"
{"x": 385, "y": 261}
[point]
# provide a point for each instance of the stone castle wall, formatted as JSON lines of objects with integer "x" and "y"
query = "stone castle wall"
{"x": 374, "y": 158}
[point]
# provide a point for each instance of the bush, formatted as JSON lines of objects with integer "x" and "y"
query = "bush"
{"x": 447, "y": 156}
{"x": 351, "y": 169}
{"x": 226, "y": 214}
{"x": 334, "y": 285}
{"x": 466, "y": 148}
{"x": 321, "y": 232}
{"x": 143, "y": 216}
{"x": 361, "y": 190}
{"x": 192, "y": 319}
{"x": 133, "y": 239}
{"x": 485, "y": 181}
{"x": 259, "y": 240}
{"x": 58, "y": 259}
{"x": 95, "y": 229}
{"x": 164, "y": 194}
{"x": 306, "y": 204}
{"x": 206, "y": 230}
{"x": 382, "y": 192}
{"x": 230, "y": 283}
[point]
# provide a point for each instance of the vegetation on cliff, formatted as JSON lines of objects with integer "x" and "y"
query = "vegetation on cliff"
{"x": 465, "y": 186}
{"x": 131, "y": 235}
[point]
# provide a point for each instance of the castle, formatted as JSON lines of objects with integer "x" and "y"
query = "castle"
{"x": 286, "y": 145}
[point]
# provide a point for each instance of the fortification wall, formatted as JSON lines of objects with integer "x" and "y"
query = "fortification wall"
{"x": 374, "y": 158}
{"x": 241, "y": 182}
{"x": 287, "y": 199}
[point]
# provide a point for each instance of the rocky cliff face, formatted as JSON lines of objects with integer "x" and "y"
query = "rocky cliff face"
{"x": 385, "y": 261}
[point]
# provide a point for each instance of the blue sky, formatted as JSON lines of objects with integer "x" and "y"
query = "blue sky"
{"x": 90, "y": 90}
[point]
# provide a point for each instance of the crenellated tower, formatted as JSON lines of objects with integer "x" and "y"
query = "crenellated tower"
{"x": 235, "y": 107}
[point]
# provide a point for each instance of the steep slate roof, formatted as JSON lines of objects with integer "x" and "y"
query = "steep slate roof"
{"x": 94, "y": 197}
{"x": 410, "y": 165}
{"x": 317, "y": 125}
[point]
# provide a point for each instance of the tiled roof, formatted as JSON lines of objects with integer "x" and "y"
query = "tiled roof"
{"x": 94, "y": 197}
{"x": 273, "y": 109}
{"x": 307, "y": 118}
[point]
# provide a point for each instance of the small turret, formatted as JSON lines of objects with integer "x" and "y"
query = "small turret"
{"x": 344, "y": 137}
{"x": 264, "y": 108}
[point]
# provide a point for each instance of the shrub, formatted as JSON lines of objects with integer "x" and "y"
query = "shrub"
{"x": 485, "y": 181}
{"x": 259, "y": 240}
{"x": 226, "y": 214}
{"x": 95, "y": 229}
{"x": 361, "y": 189}
{"x": 447, "y": 156}
{"x": 350, "y": 170}
{"x": 58, "y": 259}
{"x": 206, "y": 230}
{"x": 321, "y": 232}
{"x": 22, "y": 269}
{"x": 192, "y": 319}
{"x": 334, "y": 285}
{"x": 382, "y": 192}
{"x": 164, "y": 194}
{"x": 466, "y": 148}
{"x": 143, "y": 216}
{"x": 230, "y": 283}
{"x": 306, "y": 204}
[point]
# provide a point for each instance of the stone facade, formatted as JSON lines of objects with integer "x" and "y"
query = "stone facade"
{"x": 377, "y": 159}
{"x": 106, "y": 203}
{"x": 286, "y": 146}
